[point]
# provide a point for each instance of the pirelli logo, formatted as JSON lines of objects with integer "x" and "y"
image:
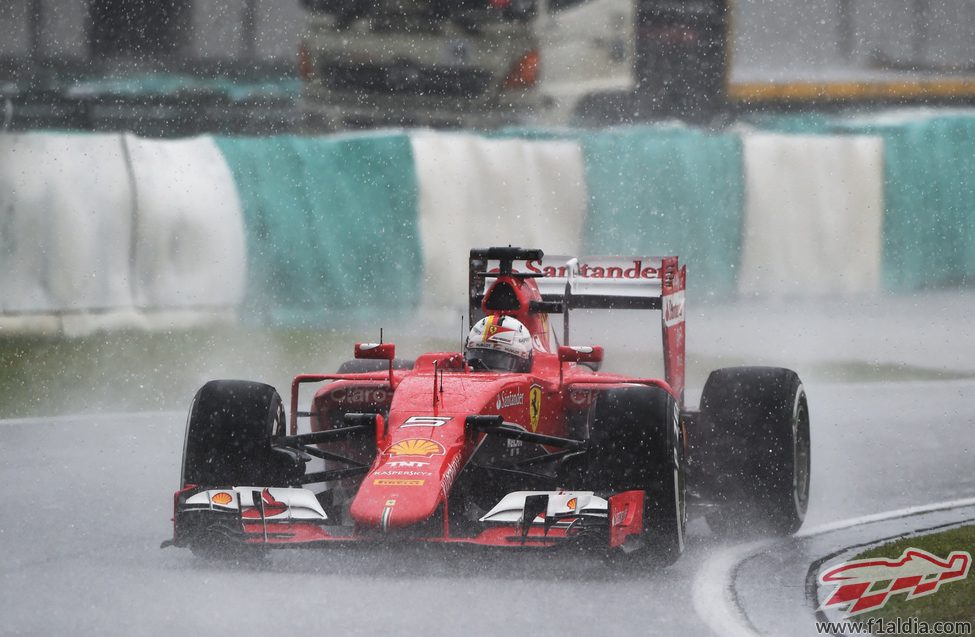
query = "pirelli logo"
{"x": 397, "y": 482}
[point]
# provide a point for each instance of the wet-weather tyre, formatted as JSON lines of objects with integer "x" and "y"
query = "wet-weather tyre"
{"x": 228, "y": 437}
{"x": 755, "y": 421}
{"x": 636, "y": 444}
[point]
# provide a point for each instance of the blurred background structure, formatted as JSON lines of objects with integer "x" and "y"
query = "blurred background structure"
{"x": 174, "y": 67}
{"x": 54, "y": 35}
{"x": 157, "y": 67}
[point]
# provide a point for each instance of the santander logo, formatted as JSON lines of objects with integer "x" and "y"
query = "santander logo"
{"x": 636, "y": 269}
{"x": 509, "y": 400}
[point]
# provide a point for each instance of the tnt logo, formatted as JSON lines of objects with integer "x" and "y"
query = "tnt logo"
{"x": 916, "y": 572}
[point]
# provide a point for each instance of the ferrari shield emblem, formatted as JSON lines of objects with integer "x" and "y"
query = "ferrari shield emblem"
{"x": 534, "y": 405}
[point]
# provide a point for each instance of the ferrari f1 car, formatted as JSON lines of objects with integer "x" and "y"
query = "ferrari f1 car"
{"x": 518, "y": 442}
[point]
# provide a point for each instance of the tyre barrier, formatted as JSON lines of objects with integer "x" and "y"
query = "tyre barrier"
{"x": 100, "y": 231}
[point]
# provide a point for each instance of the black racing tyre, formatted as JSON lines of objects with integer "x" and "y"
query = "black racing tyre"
{"x": 636, "y": 444}
{"x": 228, "y": 437}
{"x": 366, "y": 365}
{"x": 755, "y": 421}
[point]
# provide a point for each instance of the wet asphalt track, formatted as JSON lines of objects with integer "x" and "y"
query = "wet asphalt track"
{"x": 896, "y": 448}
{"x": 775, "y": 586}
{"x": 87, "y": 501}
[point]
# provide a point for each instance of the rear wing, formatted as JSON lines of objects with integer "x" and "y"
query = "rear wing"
{"x": 593, "y": 282}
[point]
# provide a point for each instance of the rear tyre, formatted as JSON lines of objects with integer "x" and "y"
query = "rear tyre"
{"x": 757, "y": 452}
{"x": 635, "y": 444}
{"x": 228, "y": 437}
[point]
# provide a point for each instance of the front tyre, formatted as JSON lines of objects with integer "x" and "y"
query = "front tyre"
{"x": 228, "y": 437}
{"x": 758, "y": 451}
{"x": 228, "y": 444}
{"x": 636, "y": 444}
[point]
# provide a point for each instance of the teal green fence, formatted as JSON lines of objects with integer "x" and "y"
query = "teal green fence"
{"x": 929, "y": 191}
{"x": 331, "y": 226}
{"x": 332, "y": 222}
{"x": 668, "y": 191}
{"x": 663, "y": 190}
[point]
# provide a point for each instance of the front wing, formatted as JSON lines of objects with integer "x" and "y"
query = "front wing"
{"x": 282, "y": 517}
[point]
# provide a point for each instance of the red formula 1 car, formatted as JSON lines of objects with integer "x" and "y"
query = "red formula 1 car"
{"x": 517, "y": 442}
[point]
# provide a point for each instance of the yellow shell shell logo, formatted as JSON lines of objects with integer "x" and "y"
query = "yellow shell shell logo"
{"x": 222, "y": 498}
{"x": 416, "y": 447}
{"x": 571, "y": 504}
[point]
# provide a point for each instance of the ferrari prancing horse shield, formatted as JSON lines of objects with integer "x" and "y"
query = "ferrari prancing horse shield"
{"x": 534, "y": 405}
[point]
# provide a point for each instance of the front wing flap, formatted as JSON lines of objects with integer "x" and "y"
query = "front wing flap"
{"x": 292, "y": 516}
{"x": 268, "y": 515}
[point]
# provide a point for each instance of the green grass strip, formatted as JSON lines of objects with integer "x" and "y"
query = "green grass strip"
{"x": 954, "y": 601}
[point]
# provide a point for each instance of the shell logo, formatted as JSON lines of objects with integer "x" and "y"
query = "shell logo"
{"x": 416, "y": 447}
{"x": 571, "y": 504}
{"x": 222, "y": 497}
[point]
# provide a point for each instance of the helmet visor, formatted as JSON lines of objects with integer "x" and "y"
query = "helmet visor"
{"x": 495, "y": 361}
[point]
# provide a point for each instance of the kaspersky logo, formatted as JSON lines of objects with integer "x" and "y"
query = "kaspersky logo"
{"x": 867, "y": 584}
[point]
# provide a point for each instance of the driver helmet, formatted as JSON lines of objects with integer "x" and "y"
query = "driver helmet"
{"x": 499, "y": 343}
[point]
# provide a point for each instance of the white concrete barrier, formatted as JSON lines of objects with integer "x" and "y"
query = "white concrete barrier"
{"x": 477, "y": 192}
{"x": 189, "y": 240}
{"x": 106, "y": 231}
{"x": 102, "y": 232}
{"x": 814, "y": 211}
{"x": 65, "y": 224}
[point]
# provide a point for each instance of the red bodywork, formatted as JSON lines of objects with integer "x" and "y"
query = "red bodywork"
{"x": 423, "y": 443}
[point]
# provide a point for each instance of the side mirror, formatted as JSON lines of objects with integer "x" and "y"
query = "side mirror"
{"x": 580, "y": 354}
{"x": 375, "y": 351}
